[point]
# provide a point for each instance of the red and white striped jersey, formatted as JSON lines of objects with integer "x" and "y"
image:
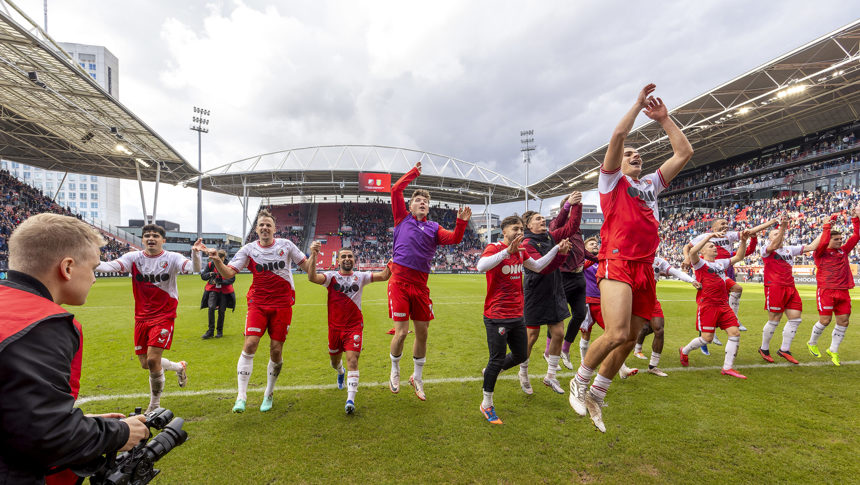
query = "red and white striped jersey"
{"x": 272, "y": 270}
{"x": 712, "y": 276}
{"x": 153, "y": 281}
{"x": 778, "y": 264}
{"x": 344, "y": 297}
{"x": 630, "y": 215}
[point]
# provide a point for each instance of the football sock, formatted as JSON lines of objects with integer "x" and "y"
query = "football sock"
{"x": 637, "y": 349}
{"x": 583, "y": 374}
{"x": 395, "y": 362}
{"x": 351, "y": 385}
{"x": 171, "y": 366}
{"x": 273, "y": 371}
{"x": 156, "y": 385}
{"x": 600, "y": 387}
{"x": 838, "y": 335}
{"x": 583, "y": 348}
{"x": 552, "y": 366}
{"x": 788, "y": 333}
{"x": 524, "y": 367}
{"x": 565, "y": 346}
{"x": 488, "y": 400}
{"x": 735, "y": 301}
{"x": 243, "y": 371}
{"x": 419, "y": 367}
{"x": 546, "y": 350}
{"x": 694, "y": 344}
{"x": 340, "y": 370}
{"x": 655, "y": 360}
{"x": 731, "y": 352}
{"x": 767, "y": 334}
{"x": 817, "y": 330}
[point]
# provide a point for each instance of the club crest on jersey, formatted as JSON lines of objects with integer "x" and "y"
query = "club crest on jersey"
{"x": 281, "y": 252}
{"x": 648, "y": 181}
{"x": 164, "y": 332}
{"x": 501, "y": 330}
{"x": 356, "y": 338}
{"x": 163, "y": 265}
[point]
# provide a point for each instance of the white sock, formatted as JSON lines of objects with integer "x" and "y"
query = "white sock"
{"x": 351, "y": 385}
{"x": 488, "y": 400}
{"x": 655, "y": 360}
{"x": 838, "y": 335}
{"x": 600, "y": 387}
{"x": 171, "y": 366}
{"x": 731, "y": 352}
{"x": 419, "y": 367}
{"x": 694, "y": 344}
{"x": 524, "y": 367}
{"x": 583, "y": 348}
{"x": 340, "y": 370}
{"x": 583, "y": 374}
{"x": 552, "y": 366}
{"x": 767, "y": 334}
{"x": 817, "y": 330}
{"x": 243, "y": 371}
{"x": 156, "y": 385}
{"x": 273, "y": 371}
{"x": 637, "y": 349}
{"x": 788, "y": 333}
{"x": 735, "y": 301}
{"x": 395, "y": 363}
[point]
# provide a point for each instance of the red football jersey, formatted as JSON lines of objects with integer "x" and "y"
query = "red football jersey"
{"x": 833, "y": 272}
{"x": 272, "y": 270}
{"x": 777, "y": 265}
{"x": 504, "y": 285}
{"x": 630, "y": 216}
{"x": 344, "y": 298}
{"x": 712, "y": 276}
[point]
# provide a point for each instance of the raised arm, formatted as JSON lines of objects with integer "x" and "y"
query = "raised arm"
{"x": 224, "y": 270}
{"x": 694, "y": 251}
{"x": 490, "y": 261}
{"x": 681, "y": 147}
{"x": 397, "y": 205}
{"x": 855, "y": 235}
{"x": 741, "y": 253}
{"x": 313, "y": 276}
{"x": 780, "y": 237}
{"x": 824, "y": 238}
{"x": 761, "y": 227}
{"x": 444, "y": 236}
{"x": 812, "y": 246}
{"x": 615, "y": 150}
{"x": 121, "y": 264}
{"x": 382, "y": 275}
{"x": 545, "y": 264}
{"x": 574, "y": 219}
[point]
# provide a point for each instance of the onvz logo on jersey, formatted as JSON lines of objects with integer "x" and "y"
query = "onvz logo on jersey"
{"x": 152, "y": 278}
{"x": 716, "y": 271}
{"x": 512, "y": 269}
{"x": 273, "y": 266}
{"x": 647, "y": 196}
{"x": 345, "y": 289}
{"x": 780, "y": 257}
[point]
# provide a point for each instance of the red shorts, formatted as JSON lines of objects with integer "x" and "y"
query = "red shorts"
{"x": 592, "y": 316}
{"x": 407, "y": 301}
{"x": 730, "y": 282}
{"x": 152, "y": 334}
{"x": 778, "y": 299}
{"x": 275, "y": 320}
{"x": 709, "y": 318}
{"x": 345, "y": 339}
{"x": 658, "y": 311}
{"x": 640, "y": 277}
{"x": 833, "y": 301}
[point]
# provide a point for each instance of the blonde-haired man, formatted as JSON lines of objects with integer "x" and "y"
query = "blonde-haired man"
{"x": 41, "y": 351}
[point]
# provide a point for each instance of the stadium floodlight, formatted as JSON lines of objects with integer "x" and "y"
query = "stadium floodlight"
{"x": 122, "y": 149}
{"x": 527, "y": 142}
{"x": 592, "y": 174}
{"x": 744, "y": 110}
{"x": 142, "y": 162}
{"x": 201, "y": 122}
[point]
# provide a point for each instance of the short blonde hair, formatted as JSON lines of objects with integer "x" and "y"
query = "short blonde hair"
{"x": 45, "y": 239}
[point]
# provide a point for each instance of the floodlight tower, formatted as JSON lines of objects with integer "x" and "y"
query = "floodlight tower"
{"x": 200, "y": 123}
{"x": 527, "y": 140}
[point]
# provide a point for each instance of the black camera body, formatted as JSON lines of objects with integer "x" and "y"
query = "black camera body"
{"x": 136, "y": 466}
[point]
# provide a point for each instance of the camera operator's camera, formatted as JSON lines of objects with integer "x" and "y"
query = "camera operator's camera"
{"x": 135, "y": 466}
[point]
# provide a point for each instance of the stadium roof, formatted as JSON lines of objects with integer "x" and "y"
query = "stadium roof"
{"x": 53, "y": 115}
{"x": 811, "y": 88}
{"x": 333, "y": 170}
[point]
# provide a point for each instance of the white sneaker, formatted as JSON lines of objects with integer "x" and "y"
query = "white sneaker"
{"x": 741, "y": 327}
{"x": 553, "y": 384}
{"x": 717, "y": 341}
{"x": 565, "y": 359}
{"x": 577, "y": 396}
{"x": 418, "y": 384}
{"x": 181, "y": 374}
{"x": 525, "y": 384}
{"x": 640, "y": 355}
{"x": 657, "y": 372}
{"x": 394, "y": 380}
{"x": 624, "y": 372}
{"x": 595, "y": 410}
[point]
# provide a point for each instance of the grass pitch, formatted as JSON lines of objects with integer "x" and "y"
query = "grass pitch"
{"x": 785, "y": 424}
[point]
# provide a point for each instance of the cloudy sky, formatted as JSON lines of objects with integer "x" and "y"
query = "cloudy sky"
{"x": 460, "y": 78}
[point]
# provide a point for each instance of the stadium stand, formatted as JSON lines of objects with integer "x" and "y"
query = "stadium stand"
{"x": 20, "y": 201}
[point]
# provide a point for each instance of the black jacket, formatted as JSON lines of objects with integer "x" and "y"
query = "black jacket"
{"x": 544, "y": 300}
{"x": 39, "y": 426}
{"x": 210, "y": 275}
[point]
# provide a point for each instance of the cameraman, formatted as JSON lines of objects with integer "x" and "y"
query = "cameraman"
{"x": 51, "y": 261}
{"x": 218, "y": 295}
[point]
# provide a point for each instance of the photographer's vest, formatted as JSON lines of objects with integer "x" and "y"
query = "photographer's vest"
{"x": 30, "y": 310}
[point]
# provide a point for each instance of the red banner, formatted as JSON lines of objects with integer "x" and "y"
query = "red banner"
{"x": 374, "y": 182}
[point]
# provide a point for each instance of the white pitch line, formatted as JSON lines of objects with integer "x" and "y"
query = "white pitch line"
{"x": 441, "y": 380}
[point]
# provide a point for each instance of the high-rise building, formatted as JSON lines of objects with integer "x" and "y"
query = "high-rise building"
{"x": 96, "y": 198}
